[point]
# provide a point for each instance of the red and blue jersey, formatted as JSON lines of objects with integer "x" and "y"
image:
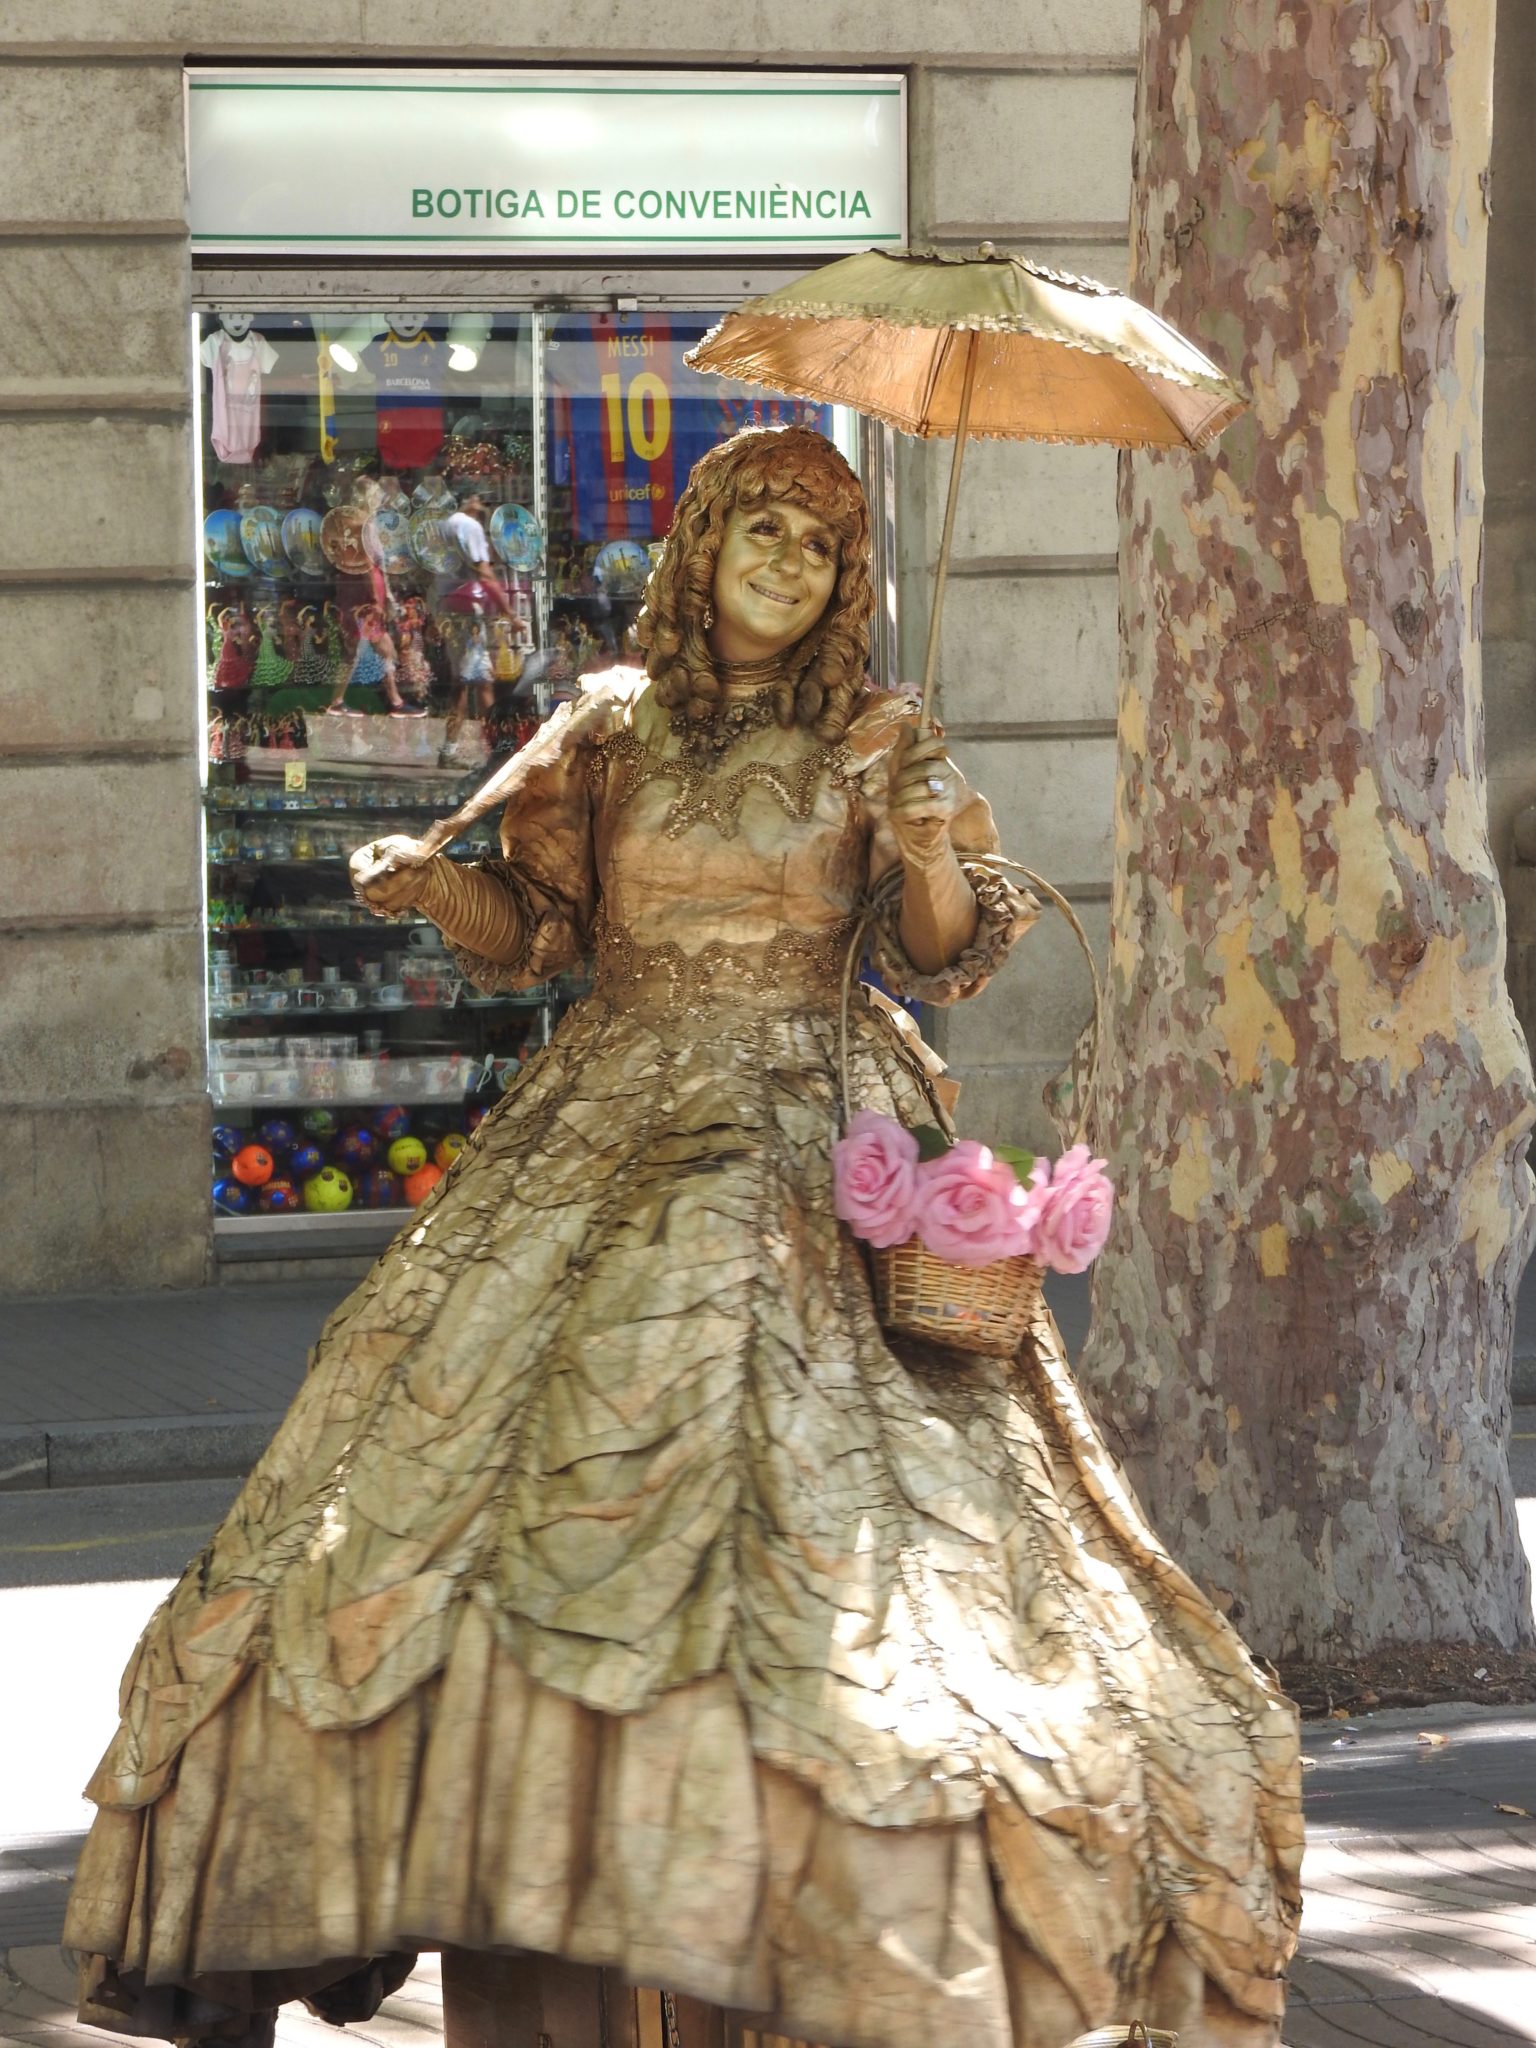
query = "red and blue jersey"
{"x": 628, "y": 419}
{"x": 408, "y": 398}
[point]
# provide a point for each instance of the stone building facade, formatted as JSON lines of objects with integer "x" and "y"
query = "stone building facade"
{"x": 1019, "y": 123}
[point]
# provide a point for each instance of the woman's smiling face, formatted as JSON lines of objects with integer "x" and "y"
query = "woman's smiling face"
{"x": 774, "y": 576}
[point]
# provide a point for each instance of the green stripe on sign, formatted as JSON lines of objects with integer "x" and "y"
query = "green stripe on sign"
{"x": 653, "y": 92}
{"x": 516, "y": 241}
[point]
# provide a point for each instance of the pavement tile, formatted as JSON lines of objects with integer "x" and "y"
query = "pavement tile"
{"x": 1404, "y": 2023}
{"x": 160, "y": 1354}
{"x": 1316, "y": 1982}
{"x": 1506, "y": 1849}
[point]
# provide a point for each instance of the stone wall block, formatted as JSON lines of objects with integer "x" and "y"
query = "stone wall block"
{"x": 1104, "y": 262}
{"x": 114, "y": 1198}
{"x": 98, "y": 668}
{"x": 1039, "y": 1000}
{"x": 1509, "y": 460}
{"x": 113, "y": 839}
{"x": 172, "y": 27}
{"x": 1053, "y": 801}
{"x": 865, "y": 32}
{"x": 102, "y": 1016}
{"x": 1002, "y": 1103}
{"x": 1027, "y": 147}
{"x": 93, "y": 142}
{"x": 1021, "y": 648}
{"x": 98, "y": 495}
{"x": 107, "y": 311}
{"x": 1023, "y": 498}
{"x": 1509, "y": 399}
{"x": 1509, "y": 568}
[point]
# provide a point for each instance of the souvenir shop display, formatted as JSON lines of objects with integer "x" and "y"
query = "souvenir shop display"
{"x": 333, "y": 1037}
{"x": 321, "y": 609}
{"x": 356, "y": 648}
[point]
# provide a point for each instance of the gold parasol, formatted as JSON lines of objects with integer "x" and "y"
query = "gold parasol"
{"x": 986, "y": 345}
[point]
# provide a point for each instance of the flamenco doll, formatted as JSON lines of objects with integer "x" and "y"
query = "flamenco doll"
{"x": 619, "y": 1604}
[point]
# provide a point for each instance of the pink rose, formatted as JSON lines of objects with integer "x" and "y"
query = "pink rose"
{"x": 1034, "y": 1199}
{"x": 1071, "y": 1212}
{"x": 874, "y": 1174}
{"x": 970, "y": 1207}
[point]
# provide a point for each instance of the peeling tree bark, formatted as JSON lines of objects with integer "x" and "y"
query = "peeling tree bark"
{"x": 1315, "y": 1094}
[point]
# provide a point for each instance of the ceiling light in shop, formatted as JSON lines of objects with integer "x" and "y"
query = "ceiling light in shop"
{"x": 345, "y": 349}
{"x": 467, "y": 336}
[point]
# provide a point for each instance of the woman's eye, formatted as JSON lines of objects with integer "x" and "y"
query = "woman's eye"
{"x": 820, "y": 550}
{"x": 765, "y": 526}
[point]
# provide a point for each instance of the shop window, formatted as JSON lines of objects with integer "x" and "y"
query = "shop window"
{"x": 419, "y": 532}
{"x": 626, "y": 421}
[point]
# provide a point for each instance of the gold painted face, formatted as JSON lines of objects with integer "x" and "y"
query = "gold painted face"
{"x": 774, "y": 576}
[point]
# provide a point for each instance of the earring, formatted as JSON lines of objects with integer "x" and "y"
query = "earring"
{"x": 708, "y": 619}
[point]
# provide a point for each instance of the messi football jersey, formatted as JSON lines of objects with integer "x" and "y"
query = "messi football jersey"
{"x": 408, "y": 398}
{"x": 628, "y": 419}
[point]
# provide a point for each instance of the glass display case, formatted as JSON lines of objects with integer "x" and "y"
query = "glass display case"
{"x": 338, "y": 1040}
{"x": 419, "y": 533}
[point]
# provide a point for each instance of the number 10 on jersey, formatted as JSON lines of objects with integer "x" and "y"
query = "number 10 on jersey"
{"x": 647, "y": 436}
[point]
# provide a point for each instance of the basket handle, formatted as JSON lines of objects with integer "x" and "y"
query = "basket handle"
{"x": 885, "y": 891}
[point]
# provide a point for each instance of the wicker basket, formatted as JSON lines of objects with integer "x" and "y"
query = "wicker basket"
{"x": 985, "y": 1309}
{"x": 965, "y": 1308}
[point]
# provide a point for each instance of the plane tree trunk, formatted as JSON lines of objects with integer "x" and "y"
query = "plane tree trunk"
{"x": 1315, "y": 1094}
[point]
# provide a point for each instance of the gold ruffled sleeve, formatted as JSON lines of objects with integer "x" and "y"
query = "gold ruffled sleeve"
{"x": 1006, "y": 911}
{"x": 547, "y": 865}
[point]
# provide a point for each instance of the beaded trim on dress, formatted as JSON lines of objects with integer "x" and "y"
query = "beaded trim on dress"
{"x": 704, "y": 794}
{"x": 790, "y": 961}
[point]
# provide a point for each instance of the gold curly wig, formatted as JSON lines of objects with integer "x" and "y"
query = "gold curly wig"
{"x": 824, "y": 672}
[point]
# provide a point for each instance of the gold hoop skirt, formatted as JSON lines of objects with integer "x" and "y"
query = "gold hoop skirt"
{"x": 617, "y": 1591}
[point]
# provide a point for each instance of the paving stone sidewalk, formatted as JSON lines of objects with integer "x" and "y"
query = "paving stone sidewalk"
{"x": 152, "y": 1386}
{"x": 95, "y": 1389}
{"x": 71, "y": 1361}
{"x": 1419, "y": 1928}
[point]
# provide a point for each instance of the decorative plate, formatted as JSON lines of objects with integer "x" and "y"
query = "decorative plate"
{"x": 433, "y": 545}
{"x": 387, "y": 537}
{"x": 301, "y": 543}
{"x": 221, "y": 545}
{"x": 515, "y": 536}
{"x": 432, "y": 495}
{"x": 341, "y": 536}
{"x": 261, "y": 535}
{"x": 622, "y": 568}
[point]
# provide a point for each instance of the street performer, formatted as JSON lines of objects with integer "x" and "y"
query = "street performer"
{"x": 619, "y": 1604}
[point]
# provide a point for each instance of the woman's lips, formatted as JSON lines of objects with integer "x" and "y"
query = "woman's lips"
{"x": 773, "y": 596}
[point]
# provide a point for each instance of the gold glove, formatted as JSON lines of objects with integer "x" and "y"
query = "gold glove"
{"x": 939, "y": 912}
{"x": 469, "y": 906}
{"x": 472, "y": 908}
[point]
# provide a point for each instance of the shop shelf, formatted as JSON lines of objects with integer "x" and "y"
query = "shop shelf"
{"x": 343, "y": 1011}
{"x": 383, "y": 926}
{"x": 286, "y": 809}
{"x": 360, "y": 1231}
{"x": 338, "y": 861}
{"x": 409, "y": 1098}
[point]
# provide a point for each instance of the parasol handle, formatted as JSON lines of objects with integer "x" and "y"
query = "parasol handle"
{"x": 961, "y": 424}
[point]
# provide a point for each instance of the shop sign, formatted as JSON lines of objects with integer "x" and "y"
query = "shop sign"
{"x": 547, "y": 162}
